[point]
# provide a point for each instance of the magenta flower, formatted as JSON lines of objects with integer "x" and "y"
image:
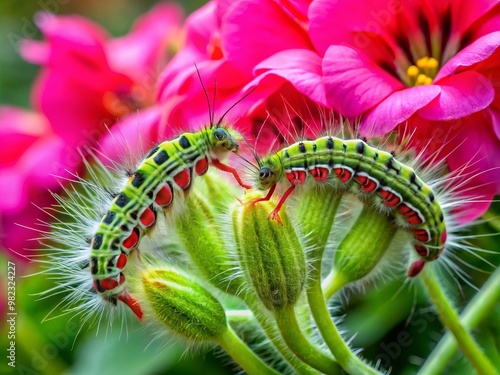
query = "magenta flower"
{"x": 30, "y": 156}
{"x": 89, "y": 81}
{"x": 429, "y": 66}
{"x": 234, "y": 52}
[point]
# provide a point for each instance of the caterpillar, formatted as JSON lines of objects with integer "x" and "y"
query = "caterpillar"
{"x": 371, "y": 173}
{"x": 167, "y": 169}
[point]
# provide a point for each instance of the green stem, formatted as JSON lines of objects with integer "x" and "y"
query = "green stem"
{"x": 346, "y": 358}
{"x": 450, "y": 318}
{"x": 273, "y": 335}
{"x": 479, "y": 308}
{"x": 332, "y": 284}
{"x": 239, "y": 316}
{"x": 300, "y": 345}
{"x": 317, "y": 215}
{"x": 247, "y": 359}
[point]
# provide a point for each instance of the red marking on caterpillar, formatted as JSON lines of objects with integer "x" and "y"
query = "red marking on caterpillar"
{"x": 165, "y": 196}
{"x": 368, "y": 184}
{"x": 422, "y": 235}
{"x": 296, "y": 177}
{"x": 343, "y": 174}
{"x": 131, "y": 240}
{"x": 391, "y": 199}
{"x": 121, "y": 261}
{"x": 109, "y": 283}
{"x": 201, "y": 166}
{"x": 183, "y": 179}
{"x": 415, "y": 268}
{"x": 421, "y": 250}
{"x": 411, "y": 215}
{"x": 319, "y": 173}
{"x": 444, "y": 237}
{"x": 147, "y": 217}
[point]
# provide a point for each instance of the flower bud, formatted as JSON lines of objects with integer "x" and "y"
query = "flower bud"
{"x": 270, "y": 254}
{"x": 183, "y": 305}
{"x": 202, "y": 237}
{"x": 364, "y": 246}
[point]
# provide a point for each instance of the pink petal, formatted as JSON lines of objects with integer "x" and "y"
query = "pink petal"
{"x": 478, "y": 155}
{"x": 461, "y": 95}
{"x": 81, "y": 31}
{"x": 396, "y": 108}
{"x": 465, "y": 13}
{"x": 351, "y": 23}
{"x": 139, "y": 53}
{"x": 478, "y": 51}
{"x": 18, "y": 228}
{"x": 34, "y": 171}
{"x": 34, "y": 52}
{"x": 180, "y": 76}
{"x": 71, "y": 89}
{"x": 353, "y": 83}
{"x": 495, "y": 119}
{"x": 300, "y": 67}
{"x": 255, "y": 30}
{"x": 19, "y": 129}
{"x": 14, "y": 194}
{"x": 134, "y": 135}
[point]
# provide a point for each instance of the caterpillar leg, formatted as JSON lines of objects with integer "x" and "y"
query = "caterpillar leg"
{"x": 274, "y": 215}
{"x": 132, "y": 303}
{"x": 265, "y": 198}
{"x": 226, "y": 168}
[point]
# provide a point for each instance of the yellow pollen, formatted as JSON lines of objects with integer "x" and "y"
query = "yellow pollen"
{"x": 423, "y": 72}
{"x": 421, "y": 80}
{"x": 412, "y": 71}
{"x": 422, "y": 62}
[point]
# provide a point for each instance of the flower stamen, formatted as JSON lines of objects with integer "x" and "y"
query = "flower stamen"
{"x": 423, "y": 72}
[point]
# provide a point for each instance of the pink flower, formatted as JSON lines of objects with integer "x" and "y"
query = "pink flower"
{"x": 235, "y": 53}
{"x": 430, "y": 65}
{"x": 89, "y": 81}
{"x": 30, "y": 156}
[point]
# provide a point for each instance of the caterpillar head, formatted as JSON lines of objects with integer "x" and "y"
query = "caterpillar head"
{"x": 270, "y": 172}
{"x": 222, "y": 140}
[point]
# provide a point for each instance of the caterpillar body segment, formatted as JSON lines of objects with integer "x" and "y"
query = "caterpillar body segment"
{"x": 369, "y": 173}
{"x": 167, "y": 170}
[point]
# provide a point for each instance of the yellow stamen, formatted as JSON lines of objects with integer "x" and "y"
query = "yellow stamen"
{"x": 423, "y": 72}
{"x": 421, "y": 79}
{"x": 422, "y": 62}
{"x": 412, "y": 71}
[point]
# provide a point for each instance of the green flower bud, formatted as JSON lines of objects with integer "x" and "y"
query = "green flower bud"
{"x": 183, "y": 305}
{"x": 364, "y": 246}
{"x": 270, "y": 254}
{"x": 200, "y": 232}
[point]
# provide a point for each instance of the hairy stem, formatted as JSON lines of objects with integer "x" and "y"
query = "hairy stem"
{"x": 478, "y": 309}
{"x": 450, "y": 318}
{"x": 300, "y": 344}
{"x": 247, "y": 359}
{"x": 339, "y": 348}
{"x": 275, "y": 338}
{"x": 332, "y": 284}
{"x": 317, "y": 218}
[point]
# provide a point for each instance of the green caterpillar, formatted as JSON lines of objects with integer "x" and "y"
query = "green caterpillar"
{"x": 166, "y": 170}
{"x": 371, "y": 173}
